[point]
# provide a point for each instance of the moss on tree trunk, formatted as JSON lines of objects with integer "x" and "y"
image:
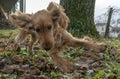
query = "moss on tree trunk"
{"x": 81, "y": 14}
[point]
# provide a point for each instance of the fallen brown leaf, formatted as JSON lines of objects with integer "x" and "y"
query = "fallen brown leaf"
{"x": 1, "y": 49}
{"x": 17, "y": 59}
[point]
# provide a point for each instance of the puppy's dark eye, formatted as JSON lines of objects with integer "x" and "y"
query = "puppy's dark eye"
{"x": 37, "y": 30}
{"x": 49, "y": 27}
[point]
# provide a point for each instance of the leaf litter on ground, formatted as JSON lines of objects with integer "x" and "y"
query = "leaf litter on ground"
{"x": 16, "y": 62}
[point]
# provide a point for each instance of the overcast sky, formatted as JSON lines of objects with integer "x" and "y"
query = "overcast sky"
{"x": 33, "y": 6}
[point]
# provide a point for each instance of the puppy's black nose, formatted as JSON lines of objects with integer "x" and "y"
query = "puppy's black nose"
{"x": 47, "y": 48}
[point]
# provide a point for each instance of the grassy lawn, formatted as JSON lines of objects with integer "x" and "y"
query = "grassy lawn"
{"x": 6, "y": 32}
{"x": 88, "y": 65}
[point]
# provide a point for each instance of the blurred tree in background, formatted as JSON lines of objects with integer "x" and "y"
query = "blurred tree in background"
{"x": 81, "y": 14}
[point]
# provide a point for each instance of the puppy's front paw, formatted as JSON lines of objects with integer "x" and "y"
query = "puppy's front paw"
{"x": 62, "y": 63}
{"x": 16, "y": 47}
{"x": 66, "y": 66}
{"x": 97, "y": 47}
{"x": 102, "y": 47}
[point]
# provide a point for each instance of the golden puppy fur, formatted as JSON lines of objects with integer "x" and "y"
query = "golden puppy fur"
{"x": 50, "y": 29}
{"x": 25, "y": 26}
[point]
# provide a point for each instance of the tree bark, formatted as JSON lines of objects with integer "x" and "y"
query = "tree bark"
{"x": 81, "y": 14}
{"x": 2, "y": 13}
{"x": 108, "y": 23}
{"x": 21, "y": 5}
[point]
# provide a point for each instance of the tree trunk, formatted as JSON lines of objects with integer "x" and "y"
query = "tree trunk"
{"x": 81, "y": 14}
{"x": 21, "y": 5}
{"x": 108, "y": 23}
{"x": 2, "y": 13}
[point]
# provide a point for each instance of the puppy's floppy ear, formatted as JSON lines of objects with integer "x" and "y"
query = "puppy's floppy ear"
{"x": 55, "y": 15}
{"x": 50, "y": 6}
{"x": 54, "y": 11}
{"x": 59, "y": 14}
{"x": 20, "y": 19}
{"x": 64, "y": 20}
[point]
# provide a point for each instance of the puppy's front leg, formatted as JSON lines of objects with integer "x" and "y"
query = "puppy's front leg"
{"x": 64, "y": 64}
{"x": 20, "y": 37}
{"x": 33, "y": 40}
{"x": 94, "y": 46}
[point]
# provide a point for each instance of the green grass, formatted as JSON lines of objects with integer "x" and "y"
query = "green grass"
{"x": 112, "y": 42}
{"x": 6, "y": 32}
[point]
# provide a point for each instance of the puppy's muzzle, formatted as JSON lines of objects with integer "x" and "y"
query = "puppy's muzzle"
{"x": 47, "y": 48}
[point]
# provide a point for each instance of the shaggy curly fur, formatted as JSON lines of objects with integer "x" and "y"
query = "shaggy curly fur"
{"x": 25, "y": 26}
{"x": 50, "y": 29}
